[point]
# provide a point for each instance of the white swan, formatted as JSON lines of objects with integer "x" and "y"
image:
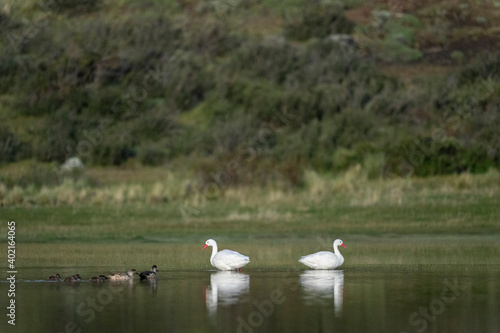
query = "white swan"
{"x": 226, "y": 260}
{"x": 325, "y": 259}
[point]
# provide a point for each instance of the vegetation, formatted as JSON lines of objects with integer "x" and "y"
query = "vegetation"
{"x": 115, "y": 217}
{"x": 130, "y": 216}
{"x": 273, "y": 89}
{"x": 255, "y": 122}
{"x": 423, "y": 253}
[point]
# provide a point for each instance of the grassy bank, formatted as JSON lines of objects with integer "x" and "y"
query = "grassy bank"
{"x": 416, "y": 252}
{"x": 274, "y": 127}
{"x": 109, "y": 206}
{"x": 385, "y": 223}
{"x": 163, "y": 187}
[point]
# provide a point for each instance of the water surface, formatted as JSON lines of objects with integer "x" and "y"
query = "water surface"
{"x": 375, "y": 299}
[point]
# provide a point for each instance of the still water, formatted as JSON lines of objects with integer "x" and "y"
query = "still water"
{"x": 362, "y": 300}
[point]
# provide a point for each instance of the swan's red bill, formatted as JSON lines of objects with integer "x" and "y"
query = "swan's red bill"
{"x": 204, "y": 247}
{"x": 343, "y": 245}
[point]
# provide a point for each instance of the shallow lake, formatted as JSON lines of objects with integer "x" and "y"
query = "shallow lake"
{"x": 375, "y": 299}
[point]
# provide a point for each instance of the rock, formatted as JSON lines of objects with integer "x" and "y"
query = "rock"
{"x": 72, "y": 163}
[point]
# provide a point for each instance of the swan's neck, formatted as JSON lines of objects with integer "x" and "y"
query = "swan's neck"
{"x": 337, "y": 252}
{"x": 214, "y": 252}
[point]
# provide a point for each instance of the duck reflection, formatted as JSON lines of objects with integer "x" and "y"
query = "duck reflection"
{"x": 120, "y": 285}
{"x": 153, "y": 283}
{"x": 320, "y": 286}
{"x": 226, "y": 288}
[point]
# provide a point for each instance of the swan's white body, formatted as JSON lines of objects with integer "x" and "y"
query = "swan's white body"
{"x": 325, "y": 259}
{"x": 226, "y": 260}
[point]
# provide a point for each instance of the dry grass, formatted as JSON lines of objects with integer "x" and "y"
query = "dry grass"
{"x": 400, "y": 223}
{"x": 331, "y": 206}
{"x": 152, "y": 186}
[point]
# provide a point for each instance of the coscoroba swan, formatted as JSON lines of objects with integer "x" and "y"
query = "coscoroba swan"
{"x": 325, "y": 259}
{"x": 226, "y": 260}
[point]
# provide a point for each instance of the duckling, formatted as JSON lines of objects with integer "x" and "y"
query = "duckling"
{"x": 122, "y": 276}
{"x": 56, "y": 277}
{"x": 99, "y": 278}
{"x": 149, "y": 274}
{"x": 74, "y": 278}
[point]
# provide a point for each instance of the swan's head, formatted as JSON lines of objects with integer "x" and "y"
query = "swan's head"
{"x": 154, "y": 268}
{"x": 132, "y": 271}
{"x": 339, "y": 242}
{"x": 209, "y": 242}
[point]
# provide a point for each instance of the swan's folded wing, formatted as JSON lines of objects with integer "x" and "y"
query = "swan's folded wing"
{"x": 231, "y": 255}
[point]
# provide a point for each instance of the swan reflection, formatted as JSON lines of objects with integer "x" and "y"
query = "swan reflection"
{"x": 226, "y": 288}
{"x": 320, "y": 286}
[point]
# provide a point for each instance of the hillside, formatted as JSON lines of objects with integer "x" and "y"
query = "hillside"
{"x": 259, "y": 89}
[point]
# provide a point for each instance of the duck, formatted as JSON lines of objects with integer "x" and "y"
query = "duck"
{"x": 99, "y": 278}
{"x": 149, "y": 274}
{"x": 226, "y": 260}
{"x": 122, "y": 276}
{"x": 74, "y": 278}
{"x": 325, "y": 259}
{"x": 56, "y": 277}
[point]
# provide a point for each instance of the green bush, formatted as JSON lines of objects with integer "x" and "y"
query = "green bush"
{"x": 76, "y": 6}
{"x": 149, "y": 86}
{"x": 392, "y": 50}
{"x": 31, "y": 173}
{"x": 13, "y": 149}
{"x": 153, "y": 154}
{"x": 317, "y": 20}
{"x": 273, "y": 59}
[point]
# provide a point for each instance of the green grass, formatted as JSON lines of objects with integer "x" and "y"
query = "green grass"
{"x": 415, "y": 252}
{"x": 434, "y": 214}
{"x": 135, "y": 207}
{"x": 398, "y": 223}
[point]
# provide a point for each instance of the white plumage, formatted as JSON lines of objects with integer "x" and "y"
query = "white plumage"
{"x": 325, "y": 259}
{"x": 226, "y": 260}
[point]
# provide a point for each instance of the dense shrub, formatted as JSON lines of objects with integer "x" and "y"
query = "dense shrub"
{"x": 317, "y": 20}
{"x": 13, "y": 149}
{"x": 153, "y": 153}
{"x": 164, "y": 86}
{"x": 74, "y": 6}
{"x": 33, "y": 174}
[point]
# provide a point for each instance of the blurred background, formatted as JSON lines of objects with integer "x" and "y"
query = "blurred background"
{"x": 230, "y": 94}
{"x": 131, "y": 131}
